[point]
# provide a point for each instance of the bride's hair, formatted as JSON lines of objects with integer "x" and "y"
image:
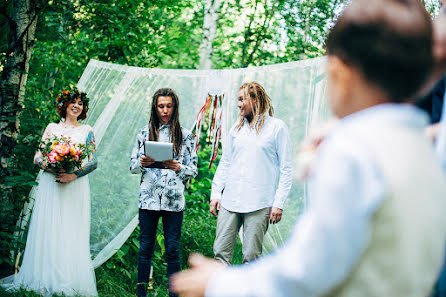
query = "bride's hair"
{"x": 68, "y": 96}
{"x": 176, "y": 135}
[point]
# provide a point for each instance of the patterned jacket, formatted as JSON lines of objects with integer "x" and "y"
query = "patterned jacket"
{"x": 163, "y": 189}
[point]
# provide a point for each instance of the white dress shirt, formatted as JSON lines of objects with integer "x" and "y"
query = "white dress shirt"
{"x": 255, "y": 170}
{"x": 345, "y": 190}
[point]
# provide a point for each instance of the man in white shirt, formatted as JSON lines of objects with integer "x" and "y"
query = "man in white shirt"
{"x": 253, "y": 178}
{"x": 375, "y": 221}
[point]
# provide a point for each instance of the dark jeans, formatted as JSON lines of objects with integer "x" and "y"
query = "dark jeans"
{"x": 148, "y": 222}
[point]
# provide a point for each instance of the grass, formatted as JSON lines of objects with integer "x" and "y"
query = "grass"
{"x": 117, "y": 277}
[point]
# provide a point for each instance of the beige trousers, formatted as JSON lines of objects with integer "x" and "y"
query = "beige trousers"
{"x": 255, "y": 224}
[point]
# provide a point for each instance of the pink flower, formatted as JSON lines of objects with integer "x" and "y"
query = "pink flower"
{"x": 76, "y": 157}
{"x": 62, "y": 149}
{"x": 52, "y": 157}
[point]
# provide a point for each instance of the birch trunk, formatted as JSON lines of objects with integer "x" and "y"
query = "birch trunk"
{"x": 209, "y": 28}
{"x": 307, "y": 29}
{"x": 13, "y": 80}
{"x": 22, "y": 25}
{"x": 14, "y": 76}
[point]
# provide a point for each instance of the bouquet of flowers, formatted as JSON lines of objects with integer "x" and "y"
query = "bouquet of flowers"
{"x": 60, "y": 153}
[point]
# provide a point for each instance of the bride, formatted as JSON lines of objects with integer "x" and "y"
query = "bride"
{"x": 57, "y": 254}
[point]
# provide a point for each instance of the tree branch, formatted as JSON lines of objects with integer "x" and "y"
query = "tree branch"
{"x": 260, "y": 36}
{"x": 247, "y": 35}
{"x": 307, "y": 23}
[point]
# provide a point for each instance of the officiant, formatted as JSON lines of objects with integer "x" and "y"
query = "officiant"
{"x": 161, "y": 192}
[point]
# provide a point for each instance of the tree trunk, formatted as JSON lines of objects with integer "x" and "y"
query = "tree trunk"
{"x": 247, "y": 36}
{"x": 307, "y": 29}
{"x": 209, "y": 28}
{"x": 14, "y": 76}
{"x": 269, "y": 13}
{"x": 22, "y": 26}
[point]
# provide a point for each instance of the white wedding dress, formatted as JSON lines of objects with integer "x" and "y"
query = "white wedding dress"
{"x": 57, "y": 254}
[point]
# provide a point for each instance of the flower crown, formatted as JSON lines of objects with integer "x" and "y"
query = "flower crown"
{"x": 70, "y": 95}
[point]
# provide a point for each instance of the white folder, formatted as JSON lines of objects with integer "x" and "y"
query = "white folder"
{"x": 159, "y": 151}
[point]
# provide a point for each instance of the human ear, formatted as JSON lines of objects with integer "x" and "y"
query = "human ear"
{"x": 340, "y": 75}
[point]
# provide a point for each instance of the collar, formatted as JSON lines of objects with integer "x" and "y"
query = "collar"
{"x": 258, "y": 121}
{"x": 402, "y": 113}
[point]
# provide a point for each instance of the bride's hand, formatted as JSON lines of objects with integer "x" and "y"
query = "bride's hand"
{"x": 63, "y": 177}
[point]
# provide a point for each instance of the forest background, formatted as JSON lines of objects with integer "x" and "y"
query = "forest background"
{"x": 46, "y": 45}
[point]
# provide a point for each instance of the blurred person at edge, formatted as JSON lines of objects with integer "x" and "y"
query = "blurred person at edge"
{"x": 375, "y": 222}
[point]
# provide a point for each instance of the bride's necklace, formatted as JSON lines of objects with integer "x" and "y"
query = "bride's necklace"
{"x": 67, "y": 126}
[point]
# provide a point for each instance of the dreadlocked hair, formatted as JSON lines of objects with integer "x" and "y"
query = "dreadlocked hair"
{"x": 262, "y": 106}
{"x": 176, "y": 135}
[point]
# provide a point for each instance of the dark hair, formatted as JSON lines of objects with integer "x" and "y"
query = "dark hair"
{"x": 176, "y": 135}
{"x": 389, "y": 41}
{"x": 68, "y": 96}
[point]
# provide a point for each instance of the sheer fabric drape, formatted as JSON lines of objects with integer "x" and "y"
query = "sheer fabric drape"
{"x": 120, "y": 98}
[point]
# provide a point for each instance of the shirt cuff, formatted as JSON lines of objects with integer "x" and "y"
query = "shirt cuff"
{"x": 136, "y": 167}
{"x": 278, "y": 203}
{"x": 180, "y": 173}
{"x": 140, "y": 165}
{"x": 215, "y": 195}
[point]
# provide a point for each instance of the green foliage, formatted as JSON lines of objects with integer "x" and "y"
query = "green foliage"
{"x": 117, "y": 277}
{"x": 198, "y": 232}
{"x": 23, "y": 293}
{"x": 199, "y": 224}
{"x": 266, "y": 32}
{"x": 149, "y": 33}
{"x": 432, "y": 6}
{"x": 69, "y": 33}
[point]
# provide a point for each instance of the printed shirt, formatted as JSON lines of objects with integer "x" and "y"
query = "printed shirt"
{"x": 255, "y": 170}
{"x": 163, "y": 189}
{"x": 345, "y": 189}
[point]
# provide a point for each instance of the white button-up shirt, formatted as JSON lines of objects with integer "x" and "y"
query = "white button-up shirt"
{"x": 345, "y": 190}
{"x": 255, "y": 170}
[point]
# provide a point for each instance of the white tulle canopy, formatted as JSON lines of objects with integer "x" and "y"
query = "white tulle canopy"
{"x": 120, "y": 98}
